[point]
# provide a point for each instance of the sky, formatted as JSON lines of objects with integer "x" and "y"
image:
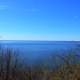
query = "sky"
{"x": 40, "y": 20}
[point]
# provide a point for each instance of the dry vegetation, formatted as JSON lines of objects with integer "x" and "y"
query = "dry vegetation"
{"x": 12, "y": 69}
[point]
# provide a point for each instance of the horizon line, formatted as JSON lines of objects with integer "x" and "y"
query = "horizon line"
{"x": 42, "y": 40}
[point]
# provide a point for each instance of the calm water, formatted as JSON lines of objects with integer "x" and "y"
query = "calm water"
{"x": 38, "y": 49}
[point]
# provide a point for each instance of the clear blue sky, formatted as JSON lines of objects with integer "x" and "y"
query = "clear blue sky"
{"x": 40, "y": 19}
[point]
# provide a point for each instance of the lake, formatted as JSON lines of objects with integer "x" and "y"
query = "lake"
{"x": 33, "y": 50}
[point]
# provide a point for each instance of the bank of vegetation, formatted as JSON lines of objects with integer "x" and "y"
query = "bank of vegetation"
{"x": 56, "y": 67}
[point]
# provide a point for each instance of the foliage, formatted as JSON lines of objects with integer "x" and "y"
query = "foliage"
{"x": 12, "y": 68}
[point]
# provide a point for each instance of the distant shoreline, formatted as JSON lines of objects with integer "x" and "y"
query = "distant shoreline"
{"x": 44, "y": 40}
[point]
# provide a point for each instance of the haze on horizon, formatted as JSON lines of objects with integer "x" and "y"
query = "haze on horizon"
{"x": 40, "y": 20}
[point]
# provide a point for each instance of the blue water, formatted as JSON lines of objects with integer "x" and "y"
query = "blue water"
{"x": 37, "y": 49}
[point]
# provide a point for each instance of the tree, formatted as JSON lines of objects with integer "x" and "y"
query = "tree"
{"x": 8, "y": 63}
{"x": 1, "y": 63}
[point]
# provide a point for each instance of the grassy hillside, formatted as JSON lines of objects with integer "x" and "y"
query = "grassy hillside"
{"x": 13, "y": 68}
{"x": 72, "y": 72}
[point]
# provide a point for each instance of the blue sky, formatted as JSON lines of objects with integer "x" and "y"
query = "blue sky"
{"x": 40, "y": 19}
